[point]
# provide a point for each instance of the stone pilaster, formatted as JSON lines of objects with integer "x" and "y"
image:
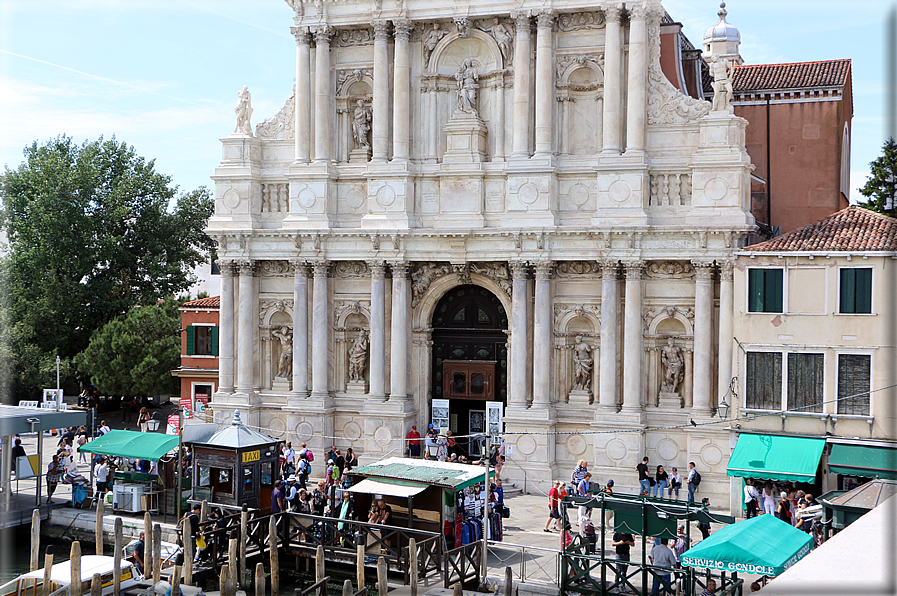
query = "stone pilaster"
{"x": 378, "y": 330}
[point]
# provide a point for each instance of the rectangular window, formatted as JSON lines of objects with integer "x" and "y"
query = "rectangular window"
{"x": 805, "y": 382}
{"x": 763, "y": 390}
{"x": 854, "y": 382}
{"x": 765, "y": 290}
{"x": 202, "y": 340}
{"x": 856, "y": 290}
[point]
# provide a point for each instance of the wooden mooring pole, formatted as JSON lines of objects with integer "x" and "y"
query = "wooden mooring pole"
{"x": 188, "y": 560}
{"x": 347, "y": 588}
{"x": 275, "y": 564}
{"x": 96, "y": 585}
{"x": 147, "y": 546}
{"x": 233, "y": 547}
{"x": 359, "y": 566}
{"x": 319, "y": 563}
{"x": 98, "y": 531}
{"x": 118, "y": 539}
{"x": 224, "y": 581}
{"x": 35, "y": 540}
{"x": 382, "y": 584}
{"x": 204, "y": 512}
{"x": 244, "y": 539}
{"x": 75, "y": 558}
{"x": 458, "y": 589}
{"x": 259, "y": 579}
{"x": 48, "y": 566}
{"x": 412, "y": 565}
{"x": 157, "y": 553}
{"x": 509, "y": 582}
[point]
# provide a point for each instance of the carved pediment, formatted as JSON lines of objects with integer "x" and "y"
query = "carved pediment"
{"x": 281, "y": 125}
{"x": 666, "y": 104}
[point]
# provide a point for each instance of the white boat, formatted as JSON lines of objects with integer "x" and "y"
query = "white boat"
{"x": 170, "y": 551}
{"x": 31, "y": 584}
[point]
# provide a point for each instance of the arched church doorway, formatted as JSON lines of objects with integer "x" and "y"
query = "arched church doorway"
{"x": 470, "y": 363}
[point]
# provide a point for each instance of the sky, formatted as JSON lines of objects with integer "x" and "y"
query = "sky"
{"x": 163, "y": 75}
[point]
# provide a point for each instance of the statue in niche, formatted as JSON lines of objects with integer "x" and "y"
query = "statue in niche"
{"x": 285, "y": 366}
{"x": 243, "y": 112}
{"x": 361, "y": 124}
{"x": 434, "y": 36}
{"x": 673, "y": 363}
{"x": 722, "y": 83}
{"x": 582, "y": 365}
{"x": 467, "y": 77}
{"x": 503, "y": 38}
{"x": 358, "y": 355}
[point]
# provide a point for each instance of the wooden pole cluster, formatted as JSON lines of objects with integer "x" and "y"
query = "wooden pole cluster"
{"x": 359, "y": 566}
{"x": 382, "y": 585}
{"x": 48, "y": 566}
{"x": 148, "y": 546}
{"x": 118, "y": 540}
{"x": 98, "y": 531}
{"x": 412, "y": 564}
{"x": 275, "y": 564}
{"x": 259, "y": 579}
{"x": 157, "y": 554}
{"x": 35, "y": 540}
{"x": 75, "y": 558}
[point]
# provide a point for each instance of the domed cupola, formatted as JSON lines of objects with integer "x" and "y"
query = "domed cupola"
{"x": 723, "y": 39}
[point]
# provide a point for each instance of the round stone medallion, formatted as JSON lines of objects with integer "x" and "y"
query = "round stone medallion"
{"x": 354, "y": 199}
{"x": 526, "y": 445}
{"x": 231, "y": 199}
{"x": 386, "y": 196}
{"x": 619, "y": 191}
{"x": 667, "y": 450}
{"x": 579, "y": 195}
{"x": 277, "y": 427}
{"x": 711, "y": 455}
{"x": 616, "y": 450}
{"x": 716, "y": 189}
{"x": 528, "y": 194}
{"x": 307, "y": 198}
{"x": 352, "y": 431}
{"x": 576, "y": 445}
{"x": 304, "y": 432}
{"x": 383, "y": 436}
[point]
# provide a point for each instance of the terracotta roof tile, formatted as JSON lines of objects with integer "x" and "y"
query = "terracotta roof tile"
{"x": 849, "y": 230}
{"x": 210, "y": 302}
{"x": 796, "y": 75}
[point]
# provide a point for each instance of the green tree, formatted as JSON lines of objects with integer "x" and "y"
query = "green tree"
{"x": 135, "y": 353}
{"x": 92, "y": 230}
{"x": 881, "y": 188}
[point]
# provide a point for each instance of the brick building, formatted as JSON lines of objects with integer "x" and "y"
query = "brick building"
{"x": 198, "y": 371}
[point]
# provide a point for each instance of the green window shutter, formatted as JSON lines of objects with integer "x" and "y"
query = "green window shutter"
{"x": 863, "y": 291}
{"x": 214, "y": 341}
{"x": 755, "y": 290}
{"x": 191, "y": 340}
{"x": 848, "y": 291}
{"x": 774, "y": 290}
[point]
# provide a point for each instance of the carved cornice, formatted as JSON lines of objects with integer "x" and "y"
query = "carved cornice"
{"x": 703, "y": 270}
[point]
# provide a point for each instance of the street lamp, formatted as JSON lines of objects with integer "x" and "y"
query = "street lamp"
{"x": 723, "y": 409}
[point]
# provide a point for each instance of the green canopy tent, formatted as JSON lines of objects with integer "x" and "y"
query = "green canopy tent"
{"x": 132, "y": 445}
{"x": 763, "y": 545}
{"x": 777, "y": 458}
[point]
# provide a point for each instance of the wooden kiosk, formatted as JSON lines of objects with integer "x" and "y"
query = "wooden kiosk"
{"x": 239, "y": 466}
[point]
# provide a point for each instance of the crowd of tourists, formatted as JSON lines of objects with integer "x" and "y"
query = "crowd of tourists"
{"x": 798, "y": 508}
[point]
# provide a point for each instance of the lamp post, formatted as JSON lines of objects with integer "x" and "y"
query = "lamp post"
{"x": 57, "y": 384}
{"x": 723, "y": 409}
{"x": 177, "y": 489}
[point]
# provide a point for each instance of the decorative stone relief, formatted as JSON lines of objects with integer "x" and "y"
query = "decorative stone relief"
{"x": 346, "y": 38}
{"x": 275, "y": 269}
{"x": 297, "y": 6}
{"x": 462, "y": 24}
{"x": 666, "y": 104}
{"x": 650, "y": 314}
{"x": 576, "y": 268}
{"x": 424, "y": 274}
{"x": 674, "y": 269}
{"x": 344, "y": 308}
{"x": 561, "y": 311}
{"x": 502, "y": 36}
{"x": 497, "y": 272}
{"x": 431, "y": 40}
{"x": 281, "y": 125}
{"x": 349, "y": 269}
{"x": 564, "y": 62}
{"x": 275, "y": 197}
{"x": 347, "y": 78}
{"x": 580, "y": 20}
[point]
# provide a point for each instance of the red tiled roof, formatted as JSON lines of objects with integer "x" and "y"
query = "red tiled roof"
{"x": 796, "y": 75}
{"x": 852, "y": 229}
{"x": 210, "y": 302}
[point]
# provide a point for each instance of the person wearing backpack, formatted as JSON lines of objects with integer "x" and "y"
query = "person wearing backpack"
{"x": 303, "y": 470}
{"x": 694, "y": 481}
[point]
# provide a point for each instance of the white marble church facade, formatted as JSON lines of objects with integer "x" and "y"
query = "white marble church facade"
{"x": 537, "y": 157}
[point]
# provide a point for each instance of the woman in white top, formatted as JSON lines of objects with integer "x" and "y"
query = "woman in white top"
{"x": 769, "y": 498}
{"x": 751, "y": 498}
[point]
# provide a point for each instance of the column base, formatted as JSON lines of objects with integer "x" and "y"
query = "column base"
{"x": 579, "y": 398}
{"x": 281, "y": 385}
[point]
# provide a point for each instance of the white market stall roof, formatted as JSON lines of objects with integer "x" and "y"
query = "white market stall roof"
{"x": 14, "y": 419}
{"x": 434, "y": 473}
{"x": 395, "y": 488}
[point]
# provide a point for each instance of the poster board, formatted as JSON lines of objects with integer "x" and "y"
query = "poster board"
{"x": 186, "y": 404}
{"x": 440, "y": 413}
{"x": 174, "y": 424}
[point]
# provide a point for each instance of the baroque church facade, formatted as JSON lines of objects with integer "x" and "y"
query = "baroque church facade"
{"x": 496, "y": 215}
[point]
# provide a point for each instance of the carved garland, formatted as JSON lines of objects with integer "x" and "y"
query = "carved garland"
{"x": 580, "y": 20}
{"x": 275, "y": 269}
{"x": 351, "y": 269}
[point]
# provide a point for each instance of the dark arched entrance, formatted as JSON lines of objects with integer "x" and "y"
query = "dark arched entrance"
{"x": 470, "y": 359}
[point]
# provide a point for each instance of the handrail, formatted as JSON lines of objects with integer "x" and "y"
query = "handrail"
{"x": 319, "y": 586}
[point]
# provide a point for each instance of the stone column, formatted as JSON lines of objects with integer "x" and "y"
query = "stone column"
{"x": 542, "y": 344}
{"x": 245, "y": 336}
{"x": 726, "y": 332}
{"x": 703, "y": 347}
{"x": 637, "y": 93}
{"x": 398, "y": 347}
{"x": 607, "y": 376}
{"x": 544, "y": 83}
{"x": 522, "y": 51}
{"x": 380, "y": 108}
{"x": 401, "y": 92}
{"x": 226, "y": 327}
{"x": 632, "y": 337}
{"x": 300, "y": 329}
{"x": 323, "y": 111}
{"x": 320, "y": 334}
{"x": 303, "y": 93}
{"x": 519, "y": 333}
{"x": 613, "y": 72}
{"x": 433, "y": 138}
{"x": 378, "y": 330}
{"x": 498, "y": 113}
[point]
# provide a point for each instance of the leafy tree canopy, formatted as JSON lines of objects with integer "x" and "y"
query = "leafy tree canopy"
{"x": 135, "y": 353}
{"x": 92, "y": 230}
{"x": 882, "y": 185}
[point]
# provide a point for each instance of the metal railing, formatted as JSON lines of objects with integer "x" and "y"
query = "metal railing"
{"x": 528, "y": 563}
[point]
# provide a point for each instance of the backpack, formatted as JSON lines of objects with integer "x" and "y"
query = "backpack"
{"x": 697, "y": 479}
{"x": 309, "y": 455}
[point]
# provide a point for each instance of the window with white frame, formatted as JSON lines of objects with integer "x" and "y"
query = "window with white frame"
{"x": 785, "y": 381}
{"x": 806, "y": 376}
{"x": 855, "y": 290}
{"x": 763, "y": 390}
{"x": 854, "y": 384}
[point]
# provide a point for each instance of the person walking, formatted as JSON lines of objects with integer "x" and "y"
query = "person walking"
{"x": 751, "y": 498}
{"x": 662, "y": 556}
{"x": 675, "y": 483}
{"x": 304, "y": 468}
{"x": 413, "y": 438}
{"x": 54, "y": 472}
{"x": 101, "y": 473}
{"x": 622, "y": 542}
{"x": 644, "y": 481}
{"x": 693, "y": 479}
{"x": 142, "y": 419}
{"x": 138, "y": 554}
{"x": 681, "y": 545}
{"x": 660, "y": 481}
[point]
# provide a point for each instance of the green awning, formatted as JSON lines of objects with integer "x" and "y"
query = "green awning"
{"x": 773, "y": 457}
{"x": 867, "y": 461}
{"x": 762, "y": 545}
{"x": 132, "y": 444}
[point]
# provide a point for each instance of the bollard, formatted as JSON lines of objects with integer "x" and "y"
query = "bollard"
{"x": 98, "y": 531}
{"x": 176, "y": 580}
{"x": 275, "y": 565}
{"x": 35, "y": 539}
{"x": 509, "y": 582}
{"x": 204, "y": 512}
{"x": 188, "y": 560}
{"x": 224, "y": 581}
{"x": 118, "y": 539}
{"x": 382, "y": 585}
{"x": 347, "y": 588}
{"x": 319, "y": 564}
{"x": 148, "y": 546}
{"x": 359, "y": 566}
{"x": 157, "y": 553}
{"x": 48, "y": 566}
{"x": 458, "y": 590}
{"x": 412, "y": 565}
{"x": 233, "y": 547}
{"x": 75, "y": 557}
{"x": 96, "y": 585}
{"x": 259, "y": 579}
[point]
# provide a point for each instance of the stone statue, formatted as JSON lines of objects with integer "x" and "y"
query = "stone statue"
{"x": 467, "y": 77}
{"x": 673, "y": 364}
{"x": 722, "y": 83}
{"x": 582, "y": 365}
{"x": 361, "y": 124}
{"x": 503, "y": 38}
{"x": 431, "y": 41}
{"x": 243, "y": 112}
{"x": 358, "y": 355}
{"x": 285, "y": 366}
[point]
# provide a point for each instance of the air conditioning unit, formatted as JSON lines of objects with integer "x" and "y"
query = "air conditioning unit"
{"x": 128, "y": 497}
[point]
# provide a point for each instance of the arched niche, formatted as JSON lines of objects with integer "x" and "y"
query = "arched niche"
{"x": 677, "y": 325}
{"x": 450, "y": 53}
{"x": 281, "y": 319}
{"x": 357, "y": 83}
{"x": 581, "y": 84}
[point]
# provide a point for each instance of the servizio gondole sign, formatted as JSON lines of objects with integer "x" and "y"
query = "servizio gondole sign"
{"x": 733, "y": 566}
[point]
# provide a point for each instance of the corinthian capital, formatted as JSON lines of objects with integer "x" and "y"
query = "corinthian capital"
{"x": 633, "y": 269}
{"x": 323, "y": 33}
{"x": 320, "y": 268}
{"x": 378, "y": 269}
{"x": 703, "y": 270}
{"x": 301, "y": 35}
{"x": 300, "y": 268}
{"x": 545, "y": 19}
{"x": 246, "y": 268}
{"x": 725, "y": 270}
{"x": 519, "y": 269}
{"x": 521, "y": 21}
{"x": 228, "y": 268}
{"x": 381, "y": 30}
{"x": 638, "y": 12}
{"x": 613, "y": 14}
{"x": 543, "y": 270}
{"x": 610, "y": 268}
{"x": 403, "y": 28}
{"x": 399, "y": 269}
